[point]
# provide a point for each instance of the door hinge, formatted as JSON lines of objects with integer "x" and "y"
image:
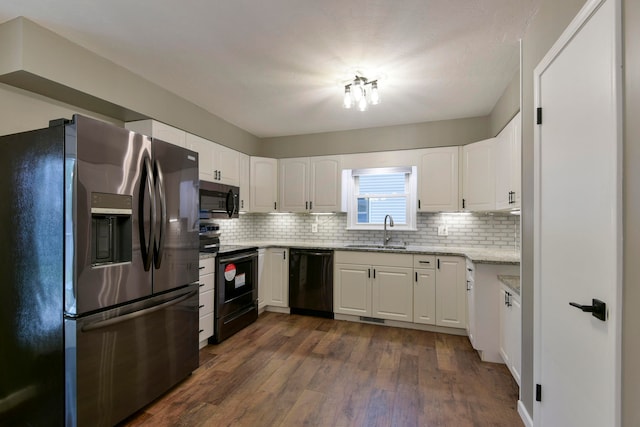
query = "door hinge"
{"x": 539, "y": 115}
{"x": 538, "y": 393}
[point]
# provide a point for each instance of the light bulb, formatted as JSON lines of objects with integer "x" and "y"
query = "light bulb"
{"x": 357, "y": 90}
{"x": 362, "y": 104}
{"x": 375, "y": 96}
{"x": 348, "y": 101}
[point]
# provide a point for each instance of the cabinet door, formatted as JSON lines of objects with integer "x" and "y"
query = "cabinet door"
{"x": 204, "y": 148}
{"x": 325, "y": 183}
{"x": 263, "y": 280}
{"x": 243, "y": 182}
{"x": 226, "y": 165}
{"x": 451, "y": 292}
{"x": 516, "y": 160}
{"x": 278, "y": 277}
{"x": 392, "y": 290}
{"x": 424, "y": 296}
{"x": 504, "y": 322}
{"x": 514, "y": 336}
{"x": 438, "y": 180}
{"x": 264, "y": 184}
{"x": 294, "y": 185}
{"x": 503, "y": 158}
{"x": 352, "y": 289}
{"x": 478, "y": 176}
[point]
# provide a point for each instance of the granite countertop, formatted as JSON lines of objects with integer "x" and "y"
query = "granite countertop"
{"x": 512, "y": 282}
{"x": 477, "y": 255}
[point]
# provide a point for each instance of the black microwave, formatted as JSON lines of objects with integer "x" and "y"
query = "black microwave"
{"x": 218, "y": 200}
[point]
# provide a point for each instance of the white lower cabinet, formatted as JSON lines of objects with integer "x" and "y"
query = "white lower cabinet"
{"x": 262, "y": 281}
{"x": 276, "y": 288}
{"x": 424, "y": 289}
{"x": 451, "y": 292}
{"x": 206, "y": 298}
{"x": 510, "y": 334}
{"x": 373, "y": 285}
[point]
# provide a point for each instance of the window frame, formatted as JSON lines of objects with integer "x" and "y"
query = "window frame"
{"x": 351, "y": 200}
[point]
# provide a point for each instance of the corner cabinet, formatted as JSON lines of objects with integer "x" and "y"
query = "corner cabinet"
{"x": 438, "y": 180}
{"x": 478, "y": 176}
{"x": 372, "y": 284}
{"x": 217, "y": 163}
{"x": 264, "y": 184}
{"x": 310, "y": 184}
{"x": 508, "y": 165}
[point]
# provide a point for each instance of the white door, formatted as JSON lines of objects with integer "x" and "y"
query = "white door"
{"x": 577, "y": 223}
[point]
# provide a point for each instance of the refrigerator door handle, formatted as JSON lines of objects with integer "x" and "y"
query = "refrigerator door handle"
{"x": 119, "y": 319}
{"x": 147, "y": 246}
{"x": 158, "y": 249}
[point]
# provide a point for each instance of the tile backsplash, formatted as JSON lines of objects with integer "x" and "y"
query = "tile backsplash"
{"x": 494, "y": 230}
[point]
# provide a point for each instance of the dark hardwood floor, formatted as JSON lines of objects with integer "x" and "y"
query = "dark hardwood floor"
{"x": 289, "y": 370}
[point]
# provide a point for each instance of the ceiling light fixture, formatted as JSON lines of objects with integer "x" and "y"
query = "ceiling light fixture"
{"x": 358, "y": 93}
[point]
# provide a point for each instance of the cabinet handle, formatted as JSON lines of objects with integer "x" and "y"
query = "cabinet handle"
{"x": 424, "y": 262}
{"x": 284, "y": 254}
{"x": 438, "y": 263}
{"x": 201, "y": 306}
{"x": 374, "y": 273}
{"x": 368, "y": 273}
{"x": 219, "y": 175}
{"x": 306, "y": 205}
{"x": 201, "y": 268}
{"x": 418, "y": 203}
{"x": 311, "y": 205}
{"x": 202, "y": 285}
{"x": 242, "y": 204}
{"x": 463, "y": 203}
{"x": 201, "y": 331}
{"x": 468, "y": 287}
{"x": 416, "y": 276}
{"x": 274, "y": 206}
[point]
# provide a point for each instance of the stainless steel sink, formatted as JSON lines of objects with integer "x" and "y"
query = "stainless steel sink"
{"x": 393, "y": 247}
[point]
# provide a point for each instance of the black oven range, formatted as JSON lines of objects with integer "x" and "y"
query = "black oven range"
{"x": 236, "y": 294}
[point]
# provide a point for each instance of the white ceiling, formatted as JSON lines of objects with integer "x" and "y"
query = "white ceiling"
{"x": 278, "y": 67}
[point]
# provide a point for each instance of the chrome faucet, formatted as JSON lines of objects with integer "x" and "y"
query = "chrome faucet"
{"x": 386, "y": 238}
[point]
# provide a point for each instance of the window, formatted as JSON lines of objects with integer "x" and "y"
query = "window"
{"x": 374, "y": 193}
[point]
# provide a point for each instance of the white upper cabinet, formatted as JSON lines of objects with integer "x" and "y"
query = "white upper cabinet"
{"x": 478, "y": 176}
{"x": 158, "y": 130}
{"x": 507, "y": 165}
{"x": 244, "y": 181}
{"x": 294, "y": 185}
{"x": 217, "y": 163}
{"x": 204, "y": 148}
{"x": 264, "y": 184}
{"x": 438, "y": 180}
{"x": 226, "y": 165}
{"x": 310, "y": 184}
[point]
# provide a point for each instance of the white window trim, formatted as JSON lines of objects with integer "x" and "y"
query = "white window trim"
{"x": 351, "y": 203}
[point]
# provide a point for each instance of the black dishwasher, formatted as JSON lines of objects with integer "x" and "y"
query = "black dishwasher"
{"x": 311, "y": 282}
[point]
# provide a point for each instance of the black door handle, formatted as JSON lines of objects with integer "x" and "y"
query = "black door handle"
{"x": 598, "y": 309}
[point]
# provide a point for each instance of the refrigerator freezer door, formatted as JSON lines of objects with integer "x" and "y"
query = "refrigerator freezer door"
{"x": 103, "y": 165}
{"x": 177, "y": 242}
{"x": 31, "y": 275}
{"x": 119, "y": 360}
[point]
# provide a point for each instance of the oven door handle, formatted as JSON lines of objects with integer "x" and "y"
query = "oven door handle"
{"x": 243, "y": 257}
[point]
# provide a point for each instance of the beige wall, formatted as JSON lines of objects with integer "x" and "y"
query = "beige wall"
{"x": 21, "y": 111}
{"x": 631, "y": 213}
{"x": 507, "y": 106}
{"x": 38, "y": 60}
{"x": 418, "y": 135}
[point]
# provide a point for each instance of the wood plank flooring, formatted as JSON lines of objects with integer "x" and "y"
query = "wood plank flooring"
{"x": 289, "y": 370}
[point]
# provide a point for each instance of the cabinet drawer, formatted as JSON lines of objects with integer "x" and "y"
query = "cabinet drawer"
{"x": 206, "y": 302}
{"x": 424, "y": 261}
{"x": 207, "y": 282}
{"x": 207, "y": 266}
{"x": 205, "y": 329}
{"x": 372, "y": 258}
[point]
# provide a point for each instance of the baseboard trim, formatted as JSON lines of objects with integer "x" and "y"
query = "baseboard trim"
{"x": 524, "y": 414}
{"x": 398, "y": 324}
{"x": 272, "y": 308}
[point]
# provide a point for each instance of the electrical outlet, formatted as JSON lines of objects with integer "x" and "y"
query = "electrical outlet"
{"x": 314, "y": 228}
{"x": 443, "y": 230}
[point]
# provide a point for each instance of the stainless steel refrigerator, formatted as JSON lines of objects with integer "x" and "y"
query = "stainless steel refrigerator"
{"x": 98, "y": 270}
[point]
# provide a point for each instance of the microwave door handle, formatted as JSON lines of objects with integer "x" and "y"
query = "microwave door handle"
{"x": 147, "y": 245}
{"x": 158, "y": 250}
{"x": 230, "y": 203}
